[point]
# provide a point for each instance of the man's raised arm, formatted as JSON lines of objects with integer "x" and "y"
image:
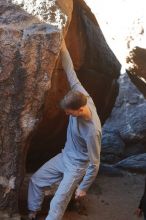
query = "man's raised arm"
{"x": 70, "y": 72}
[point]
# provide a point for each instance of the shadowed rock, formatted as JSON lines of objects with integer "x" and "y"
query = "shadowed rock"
{"x": 134, "y": 163}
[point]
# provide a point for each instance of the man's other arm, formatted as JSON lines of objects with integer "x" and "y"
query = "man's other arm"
{"x": 94, "y": 148}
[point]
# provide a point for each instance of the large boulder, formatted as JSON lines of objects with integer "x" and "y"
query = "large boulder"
{"x": 32, "y": 82}
{"x": 124, "y": 133}
{"x": 29, "y": 48}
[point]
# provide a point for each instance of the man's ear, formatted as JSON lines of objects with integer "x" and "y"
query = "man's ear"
{"x": 81, "y": 109}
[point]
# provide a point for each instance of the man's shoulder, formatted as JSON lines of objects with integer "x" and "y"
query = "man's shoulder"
{"x": 91, "y": 127}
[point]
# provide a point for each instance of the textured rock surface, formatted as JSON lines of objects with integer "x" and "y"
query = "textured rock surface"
{"x": 136, "y": 163}
{"x": 28, "y": 53}
{"x": 32, "y": 82}
{"x": 124, "y": 133}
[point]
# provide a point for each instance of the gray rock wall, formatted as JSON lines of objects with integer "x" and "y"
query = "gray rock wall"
{"x": 124, "y": 133}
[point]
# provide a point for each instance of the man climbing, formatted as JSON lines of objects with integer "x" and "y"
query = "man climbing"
{"x": 76, "y": 167}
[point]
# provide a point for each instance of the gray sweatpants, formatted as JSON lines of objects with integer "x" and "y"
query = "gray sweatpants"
{"x": 54, "y": 171}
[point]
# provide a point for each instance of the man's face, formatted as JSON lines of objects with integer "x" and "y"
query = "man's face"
{"x": 74, "y": 113}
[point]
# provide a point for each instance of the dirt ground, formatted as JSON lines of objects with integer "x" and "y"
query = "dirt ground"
{"x": 110, "y": 198}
